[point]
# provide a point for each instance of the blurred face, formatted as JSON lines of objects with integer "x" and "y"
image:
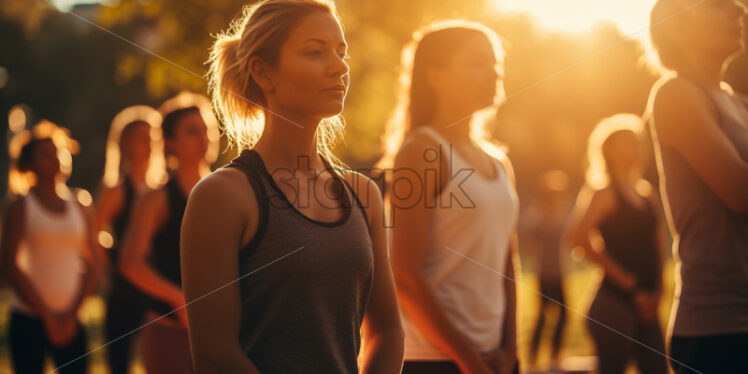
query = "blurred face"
{"x": 471, "y": 77}
{"x": 716, "y": 26}
{"x": 623, "y": 150}
{"x": 190, "y": 141}
{"x": 311, "y": 77}
{"x": 136, "y": 143}
{"x": 44, "y": 162}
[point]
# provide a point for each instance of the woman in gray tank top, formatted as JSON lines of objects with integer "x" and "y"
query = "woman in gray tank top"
{"x": 701, "y": 130}
{"x": 284, "y": 257}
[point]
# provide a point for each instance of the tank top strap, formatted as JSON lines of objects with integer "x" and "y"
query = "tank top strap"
{"x": 712, "y": 100}
{"x": 432, "y": 133}
{"x": 353, "y": 198}
{"x": 32, "y": 205}
{"x": 247, "y": 163}
{"x": 35, "y": 209}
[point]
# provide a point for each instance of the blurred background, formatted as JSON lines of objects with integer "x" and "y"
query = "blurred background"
{"x": 568, "y": 64}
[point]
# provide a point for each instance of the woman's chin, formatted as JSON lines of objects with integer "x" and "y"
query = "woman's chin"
{"x": 332, "y": 109}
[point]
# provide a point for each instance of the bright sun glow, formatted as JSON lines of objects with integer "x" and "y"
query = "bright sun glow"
{"x": 631, "y": 16}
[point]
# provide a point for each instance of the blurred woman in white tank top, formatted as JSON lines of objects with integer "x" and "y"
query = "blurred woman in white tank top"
{"x": 453, "y": 206}
{"x": 47, "y": 255}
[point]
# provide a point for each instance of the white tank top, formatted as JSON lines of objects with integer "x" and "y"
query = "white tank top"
{"x": 50, "y": 254}
{"x": 476, "y": 224}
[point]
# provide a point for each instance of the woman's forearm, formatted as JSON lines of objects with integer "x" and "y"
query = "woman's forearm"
{"x": 509, "y": 335}
{"x": 27, "y": 292}
{"x": 87, "y": 285}
{"x": 383, "y": 352}
{"x": 150, "y": 282}
{"x": 612, "y": 269}
{"x": 421, "y": 305}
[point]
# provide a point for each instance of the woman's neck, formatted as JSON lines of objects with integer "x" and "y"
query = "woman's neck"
{"x": 188, "y": 174}
{"x": 283, "y": 144}
{"x": 708, "y": 72}
{"x": 136, "y": 173}
{"x": 624, "y": 178}
{"x": 46, "y": 188}
{"x": 454, "y": 125}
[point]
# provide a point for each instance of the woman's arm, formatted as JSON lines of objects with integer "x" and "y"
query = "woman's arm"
{"x": 661, "y": 234}
{"x": 687, "y": 122}
{"x": 213, "y": 227}
{"x": 410, "y": 236}
{"x": 108, "y": 203}
{"x": 591, "y": 208}
{"x": 149, "y": 214}
{"x": 509, "y": 338}
{"x": 382, "y": 330}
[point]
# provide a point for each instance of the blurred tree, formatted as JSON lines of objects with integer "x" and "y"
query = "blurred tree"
{"x": 559, "y": 84}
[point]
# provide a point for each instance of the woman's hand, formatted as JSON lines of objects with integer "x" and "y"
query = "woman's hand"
{"x": 477, "y": 367}
{"x": 646, "y": 303}
{"x": 501, "y": 361}
{"x": 61, "y": 329}
{"x": 180, "y": 311}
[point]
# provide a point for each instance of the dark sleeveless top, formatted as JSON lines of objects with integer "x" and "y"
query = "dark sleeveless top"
{"x": 631, "y": 240}
{"x": 164, "y": 256}
{"x": 710, "y": 241}
{"x": 122, "y": 287}
{"x": 120, "y": 221}
{"x": 305, "y": 284}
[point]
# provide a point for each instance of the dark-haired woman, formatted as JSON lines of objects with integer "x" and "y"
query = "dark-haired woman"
{"x": 48, "y": 260}
{"x": 150, "y": 255}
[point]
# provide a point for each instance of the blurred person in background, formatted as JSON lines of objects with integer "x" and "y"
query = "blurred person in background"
{"x": 150, "y": 256}
{"x": 48, "y": 254}
{"x": 617, "y": 224}
{"x": 134, "y": 166}
{"x": 543, "y": 227}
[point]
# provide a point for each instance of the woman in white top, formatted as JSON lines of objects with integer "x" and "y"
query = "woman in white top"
{"x": 453, "y": 206}
{"x": 47, "y": 258}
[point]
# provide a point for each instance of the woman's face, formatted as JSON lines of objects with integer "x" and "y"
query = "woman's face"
{"x": 624, "y": 150}
{"x": 717, "y": 26}
{"x": 472, "y": 76}
{"x": 190, "y": 141}
{"x": 311, "y": 78}
{"x": 45, "y": 163}
{"x": 136, "y": 143}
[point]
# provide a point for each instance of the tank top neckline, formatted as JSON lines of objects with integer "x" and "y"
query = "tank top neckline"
{"x": 346, "y": 203}
{"x": 498, "y": 169}
{"x": 722, "y": 117}
{"x": 49, "y": 212}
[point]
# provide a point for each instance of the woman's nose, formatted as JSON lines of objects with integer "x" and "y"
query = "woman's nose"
{"x": 339, "y": 66}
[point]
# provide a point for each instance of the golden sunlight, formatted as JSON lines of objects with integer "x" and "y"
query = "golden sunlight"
{"x": 630, "y": 16}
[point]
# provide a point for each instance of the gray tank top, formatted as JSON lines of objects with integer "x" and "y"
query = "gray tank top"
{"x": 710, "y": 246}
{"x": 303, "y": 303}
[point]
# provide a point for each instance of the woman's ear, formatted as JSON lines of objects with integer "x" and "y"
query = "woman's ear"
{"x": 259, "y": 70}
